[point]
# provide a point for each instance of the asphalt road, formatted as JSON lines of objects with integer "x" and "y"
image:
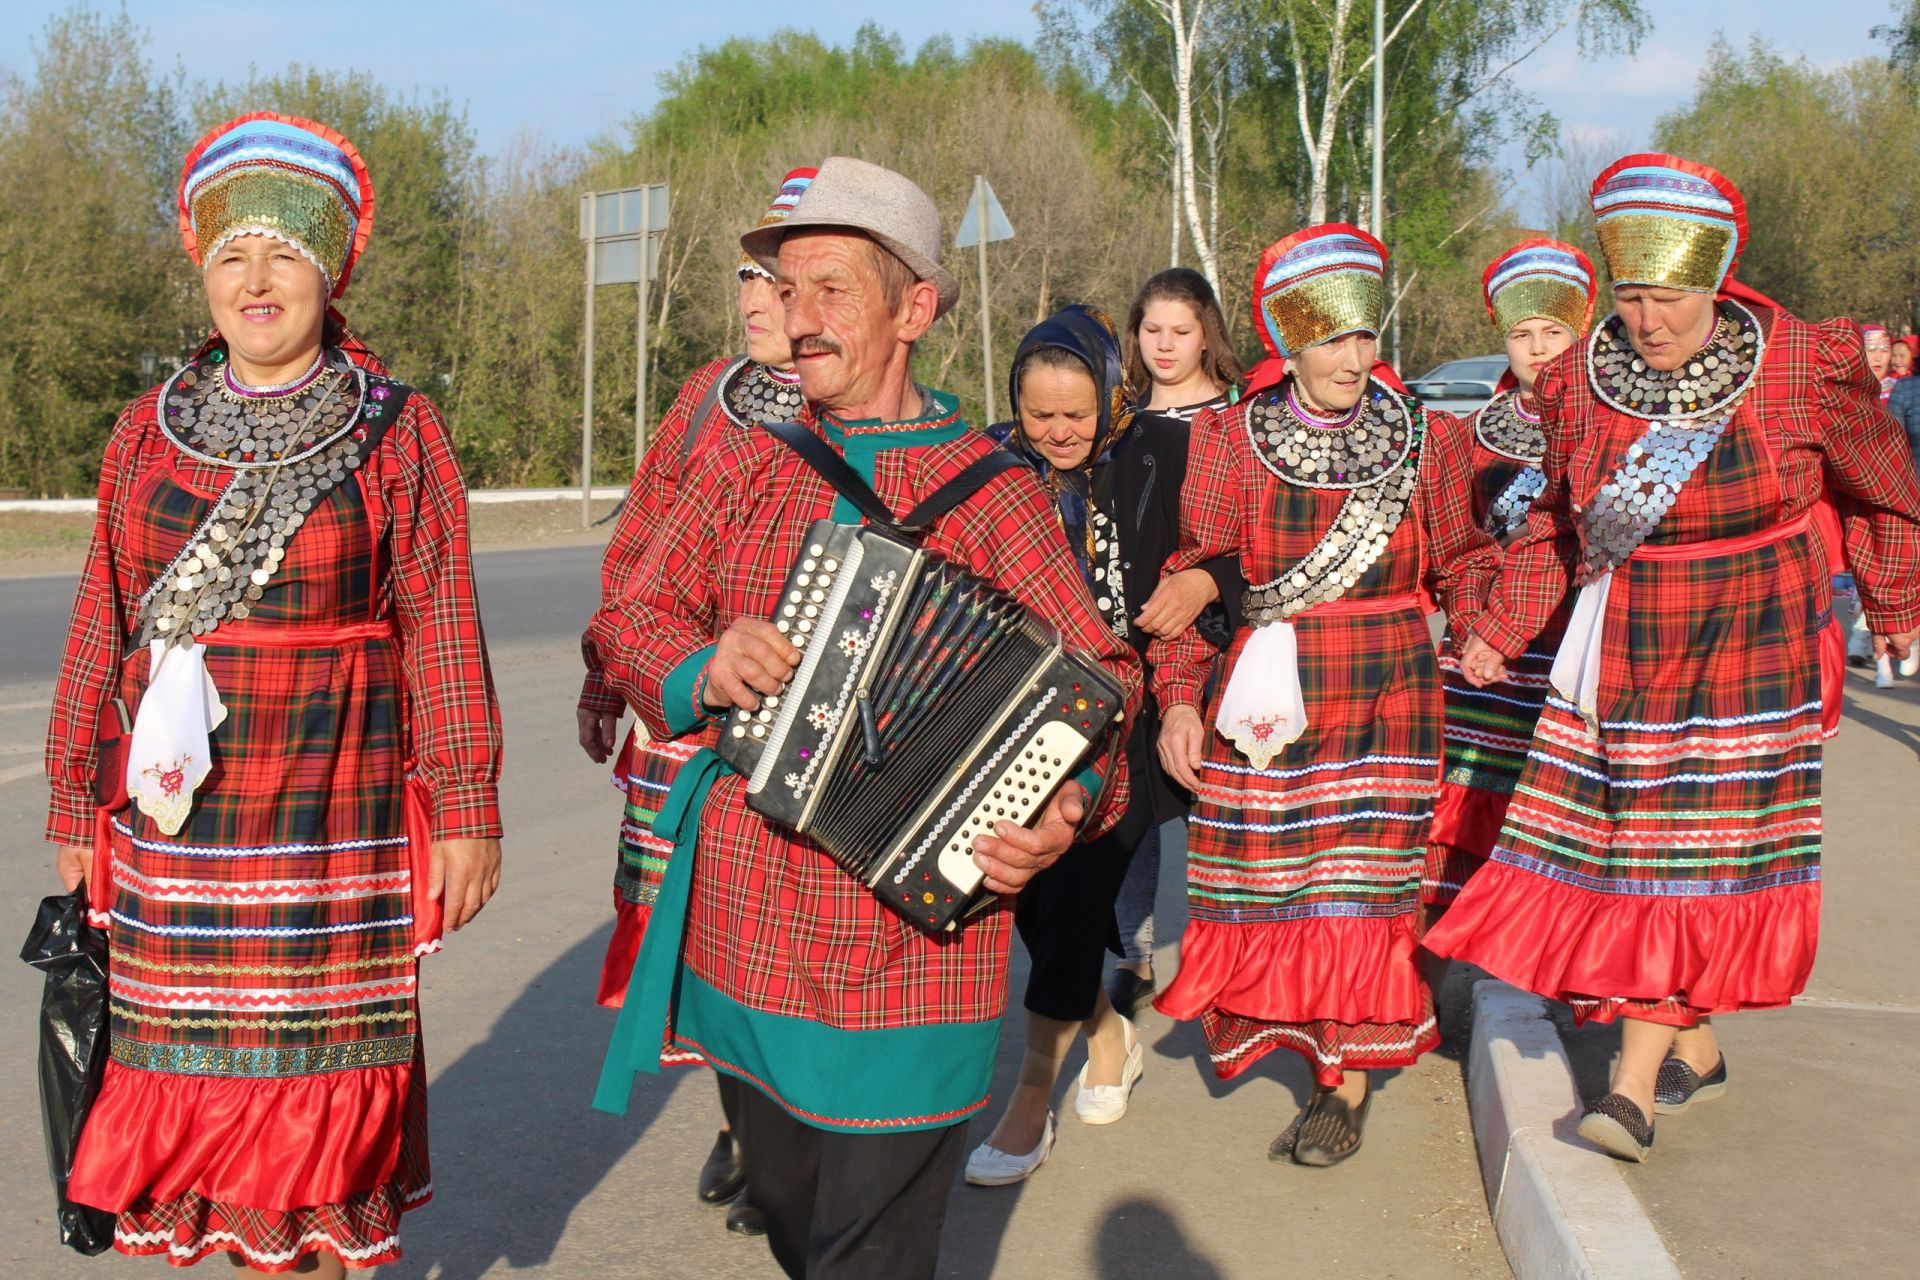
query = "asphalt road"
{"x": 530, "y": 1181}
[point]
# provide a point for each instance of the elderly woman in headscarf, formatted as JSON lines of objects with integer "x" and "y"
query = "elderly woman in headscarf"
{"x": 1314, "y": 768}
{"x": 275, "y": 657}
{"x": 1660, "y": 862}
{"x": 1116, "y": 483}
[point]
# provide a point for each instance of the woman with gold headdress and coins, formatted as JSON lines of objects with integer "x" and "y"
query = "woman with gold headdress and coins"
{"x": 1540, "y": 296}
{"x": 1314, "y": 769}
{"x": 1660, "y": 860}
{"x": 278, "y": 599}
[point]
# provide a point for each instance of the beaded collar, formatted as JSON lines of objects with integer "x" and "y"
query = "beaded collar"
{"x": 1358, "y": 451}
{"x": 1717, "y": 374}
{"x": 754, "y": 393}
{"x": 1503, "y": 427}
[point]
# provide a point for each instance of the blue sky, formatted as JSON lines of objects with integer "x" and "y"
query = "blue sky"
{"x": 564, "y": 70}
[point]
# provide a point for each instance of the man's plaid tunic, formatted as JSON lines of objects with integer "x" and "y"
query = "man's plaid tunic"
{"x": 1666, "y": 864}
{"x": 775, "y": 927}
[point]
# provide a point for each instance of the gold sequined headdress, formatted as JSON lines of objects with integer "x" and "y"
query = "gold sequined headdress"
{"x": 1543, "y": 278}
{"x": 1317, "y": 284}
{"x": 279, "y": 176}
{"x": 1668, "y": 222}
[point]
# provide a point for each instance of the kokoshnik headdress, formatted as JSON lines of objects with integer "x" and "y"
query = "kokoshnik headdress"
{"x": 1317, "y": 284}
{"x": 1540, "y": 278}
{"x": 792, "y": 187}
{"x": 1668, "y": 222}
{"x": 280, "y": 176}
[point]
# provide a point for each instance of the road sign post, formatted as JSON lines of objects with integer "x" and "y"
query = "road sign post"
{"x": 985, "y": 221}
{"x": 622, "y": 230}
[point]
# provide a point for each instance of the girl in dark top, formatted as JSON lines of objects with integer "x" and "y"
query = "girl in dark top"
{"x": 1179, "y": 364}
{"x": 1116, "y": 478}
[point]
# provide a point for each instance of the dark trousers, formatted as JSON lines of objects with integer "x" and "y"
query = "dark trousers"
{"x": 848, "y": 1206}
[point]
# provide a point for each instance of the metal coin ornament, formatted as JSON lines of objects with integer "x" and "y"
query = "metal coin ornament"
{"x": 754, "y": 395}
{"x": 1718, "y": 374}
{"x": 1381, "y": 442}
{"x": 1502, "y": 427}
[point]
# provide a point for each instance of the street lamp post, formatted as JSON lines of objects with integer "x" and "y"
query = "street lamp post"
{"x": 622, "y": 230}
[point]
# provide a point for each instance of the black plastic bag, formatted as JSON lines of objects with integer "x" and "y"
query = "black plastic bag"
{"x": 73, "y": 1049}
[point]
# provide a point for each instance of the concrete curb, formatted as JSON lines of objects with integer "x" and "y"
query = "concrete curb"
{"x": 1562, "y": 1209}
{"x": 601, "y": 493}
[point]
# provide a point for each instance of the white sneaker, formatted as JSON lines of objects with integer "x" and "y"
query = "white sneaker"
{"x": 1105, "y": 1103}
{"x": 1910, "y": 665}
{"x": 989, "y": 1166}
{"x": 1883, "y": 672}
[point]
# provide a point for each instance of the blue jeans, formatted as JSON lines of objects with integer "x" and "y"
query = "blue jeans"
{"x": 1134, "y": 907}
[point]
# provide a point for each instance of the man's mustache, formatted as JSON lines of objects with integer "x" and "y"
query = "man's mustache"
{"x": 817, "y": 347}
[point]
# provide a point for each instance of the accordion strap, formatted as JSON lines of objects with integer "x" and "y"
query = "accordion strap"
{"x": 833, "y": 468}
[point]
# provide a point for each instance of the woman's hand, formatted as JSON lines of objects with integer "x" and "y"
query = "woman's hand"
{"x": 1896, "y": 645}
{"x": 597, "y": 733}
{"x": 1183, "y": 739}
{"x": 73, "y": 864}
{"x": 463, "y": 874}
{"x": 1013, "y": 855}
{"x": 1176, "y": 602}
{"x": 1481, "y": 663}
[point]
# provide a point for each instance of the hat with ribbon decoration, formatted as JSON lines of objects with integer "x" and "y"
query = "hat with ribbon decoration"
{"x": 1669, "y": 223}
{"x": 1318, "y": 284}
{"x": 273, "y": 175}
{"x": 792, "y": 187}
{"x": 1540, "y": 278}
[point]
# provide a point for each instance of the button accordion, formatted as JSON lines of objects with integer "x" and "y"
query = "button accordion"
{"x": 927, "y": 707}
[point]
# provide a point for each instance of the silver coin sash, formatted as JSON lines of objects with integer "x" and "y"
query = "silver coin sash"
{"x": 1355, "y": 541}
{"x": 753, "y": 396}
{"x": 1350, "y": 455}
{"x": 1646, "y": 483}
{"x": 286, "y": 455}
{"x": 1507, "y": 513}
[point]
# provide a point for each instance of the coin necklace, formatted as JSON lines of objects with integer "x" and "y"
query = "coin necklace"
{"x": 755, "y": 394}
{"x": 289, "y": 451}
{"x": 1709, "y": 380}
{"x": 1359, "y": 450}
{"x": 1360, "y": 531}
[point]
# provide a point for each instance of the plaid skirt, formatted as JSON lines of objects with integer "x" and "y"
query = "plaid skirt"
{"x": 1664, "y": 863}
{"x": 644, "y": 775}
{"x": 1303, "y": 878}
{"x": 1488, "y": 732}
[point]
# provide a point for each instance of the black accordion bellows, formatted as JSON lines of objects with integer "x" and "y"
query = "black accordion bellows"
{"x": 927, "y": 707}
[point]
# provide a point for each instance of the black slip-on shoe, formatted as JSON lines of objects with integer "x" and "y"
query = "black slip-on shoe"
{"x": 1679, "y": 1086}
{"x": 1332, "y": 1131}
{"x": 1617, "y": 1126}
{"x": 725, "y": 1171}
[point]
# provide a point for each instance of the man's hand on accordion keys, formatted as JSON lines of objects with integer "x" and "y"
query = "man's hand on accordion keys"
{"x": 751, "y": 659}
{"x": 1016, "y": 854}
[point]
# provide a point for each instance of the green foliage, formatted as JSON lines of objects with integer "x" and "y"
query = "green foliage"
{"x": 1811, "y": 150}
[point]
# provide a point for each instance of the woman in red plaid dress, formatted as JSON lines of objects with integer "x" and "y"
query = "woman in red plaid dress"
{"x": 1660, "y": 861}
{"x": 1540, "y": 295}
{"x": 1314, "y": 770}
{"x": 278, "y": 594}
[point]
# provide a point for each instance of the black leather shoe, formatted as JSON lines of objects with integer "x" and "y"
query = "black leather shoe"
{"x": 725, "y": 1171}
{"x": 745, "y": 1219}
{"x": 1127, "y": 991}
{"x": 1679, "y": 1086}
{"x": 1332, "y": 1130}
{"x": 1617, "y": 1126}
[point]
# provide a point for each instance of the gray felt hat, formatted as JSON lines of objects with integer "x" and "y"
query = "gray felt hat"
{"x": 853, "y": 195}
